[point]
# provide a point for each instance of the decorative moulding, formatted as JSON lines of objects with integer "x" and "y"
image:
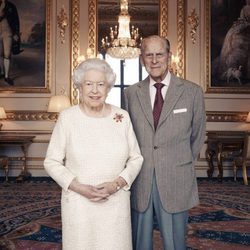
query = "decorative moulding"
{"x": 193, "y": 21}
{"x": 212, "y": 116}
{"x": 75, "y": 44}
{"x": 62, "y": 22}
{"x": 223, "y": 116}
{"x": 31, "y": 116}
{"x": 181, "y": 37}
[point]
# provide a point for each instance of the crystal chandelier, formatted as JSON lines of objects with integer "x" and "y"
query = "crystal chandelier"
{"x": 122, "y": 43}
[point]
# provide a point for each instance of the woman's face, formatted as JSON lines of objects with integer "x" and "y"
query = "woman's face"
{"x": 94, "y": 89}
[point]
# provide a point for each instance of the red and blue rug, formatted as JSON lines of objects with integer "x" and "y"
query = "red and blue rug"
{"x": 30, "y": 216}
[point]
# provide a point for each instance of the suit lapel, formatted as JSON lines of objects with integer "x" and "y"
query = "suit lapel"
{"x": 144, "y": 99}
{"x": 173, "y": 94}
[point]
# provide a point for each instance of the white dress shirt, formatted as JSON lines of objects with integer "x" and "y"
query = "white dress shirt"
{"x": 152, "y": 88}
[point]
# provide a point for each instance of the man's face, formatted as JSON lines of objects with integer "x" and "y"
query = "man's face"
{"x": 155, "y": 58}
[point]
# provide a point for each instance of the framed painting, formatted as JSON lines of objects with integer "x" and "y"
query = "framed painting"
{"x": 228, "y": 46}
{"x": 25, "y": 46}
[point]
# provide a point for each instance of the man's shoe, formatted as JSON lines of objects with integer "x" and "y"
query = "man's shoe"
{"x": 9, "y": 81}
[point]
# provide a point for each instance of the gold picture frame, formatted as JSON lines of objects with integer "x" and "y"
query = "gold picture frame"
{"x": 92, "y": 33}
{"x": 163, "y": 28}
{"x": 27, "y": 84}
{"x": 92, "y": 38}
{"x": 220, "y": 72}
{"x": 75, "y": 46}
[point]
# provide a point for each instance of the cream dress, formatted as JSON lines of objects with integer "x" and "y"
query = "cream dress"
{"x": 94, "y": 150}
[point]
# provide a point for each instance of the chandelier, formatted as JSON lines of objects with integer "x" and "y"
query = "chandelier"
{"x": 122, "y": 43}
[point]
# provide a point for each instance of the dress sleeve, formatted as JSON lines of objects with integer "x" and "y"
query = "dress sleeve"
{"x": 55, "y": 157}
{"x": 135, "y": 159}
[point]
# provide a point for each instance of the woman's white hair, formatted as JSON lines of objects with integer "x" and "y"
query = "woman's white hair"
{"x": 93, "y": 64}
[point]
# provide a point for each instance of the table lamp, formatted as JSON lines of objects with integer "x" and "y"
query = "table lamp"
{"x": 58, "y": 103}
{"x": 248, "y": 117}
{"x": 2, "y": 115}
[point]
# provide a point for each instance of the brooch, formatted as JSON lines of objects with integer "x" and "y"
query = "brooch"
{"x": 118, "y": 117}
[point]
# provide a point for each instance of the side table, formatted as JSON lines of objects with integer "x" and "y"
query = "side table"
{"x": 4, "y": 164}
{"x": 23, "y": 141}
{"x": 223, "y": 145}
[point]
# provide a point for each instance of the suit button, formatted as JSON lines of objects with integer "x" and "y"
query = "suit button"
{"x": 155, "y": 147}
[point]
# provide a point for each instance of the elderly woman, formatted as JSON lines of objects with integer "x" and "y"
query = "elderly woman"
{"x": 94, "y": 156}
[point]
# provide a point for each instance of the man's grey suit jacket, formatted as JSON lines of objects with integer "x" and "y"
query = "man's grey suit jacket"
{"x": 172, "y": 149}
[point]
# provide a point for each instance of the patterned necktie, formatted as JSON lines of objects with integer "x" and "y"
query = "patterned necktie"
{"x": 158, "y": 103}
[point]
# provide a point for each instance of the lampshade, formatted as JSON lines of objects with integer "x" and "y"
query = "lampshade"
{"x": 2, "y": 113}
{"x": 248, "y": 117}
{"x": 58, "y": 103}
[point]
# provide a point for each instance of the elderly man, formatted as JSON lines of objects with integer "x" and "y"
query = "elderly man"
{"x": 168, "y": 117}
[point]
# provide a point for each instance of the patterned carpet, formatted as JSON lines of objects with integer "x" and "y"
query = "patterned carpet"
{"x": 30, "y": 216}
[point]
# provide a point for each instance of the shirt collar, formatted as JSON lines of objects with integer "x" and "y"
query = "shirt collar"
{"x": 165, "y": 81}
